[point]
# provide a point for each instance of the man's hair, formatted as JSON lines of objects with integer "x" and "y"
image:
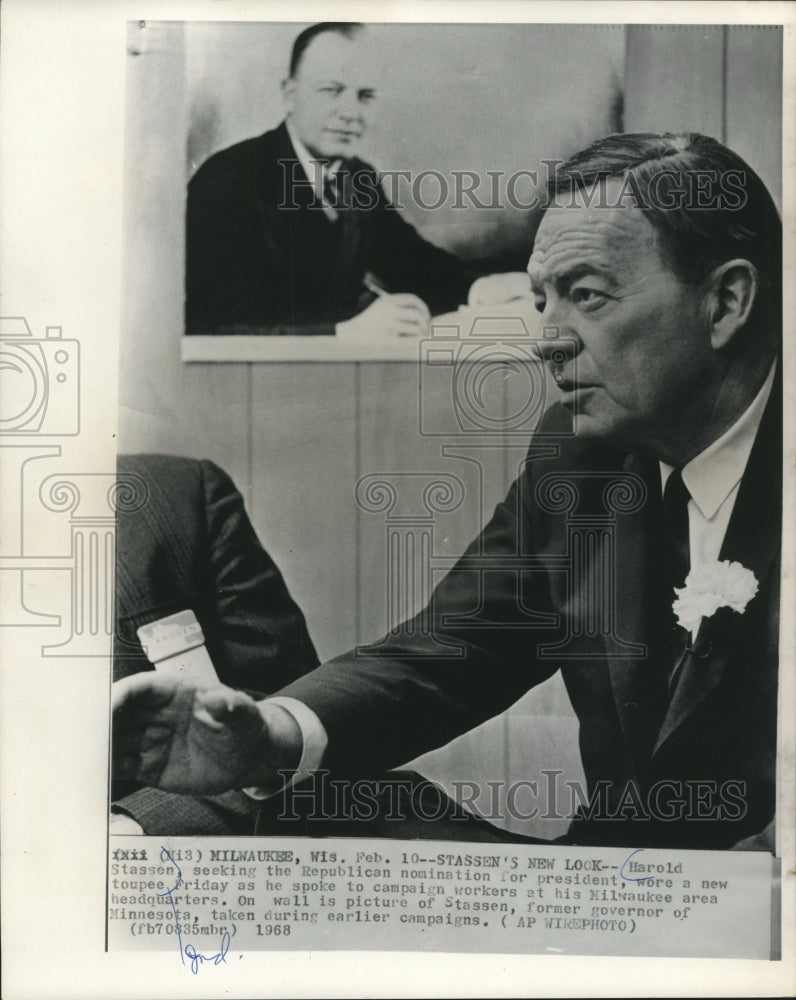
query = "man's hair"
{"x": 348, "y": 29}
{"x": 707, "y": 205}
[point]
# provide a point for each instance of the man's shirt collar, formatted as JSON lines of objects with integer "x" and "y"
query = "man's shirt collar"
{"x": 715, "y": 472}
{"x": 309, "y": 163}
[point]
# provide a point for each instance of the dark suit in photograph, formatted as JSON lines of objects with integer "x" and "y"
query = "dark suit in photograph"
{"x": 510, "y": 600}
{"x": 255, "y": 265}
{"x": 187, "y": 543}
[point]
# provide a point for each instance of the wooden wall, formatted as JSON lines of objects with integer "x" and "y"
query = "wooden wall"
{"x": 297, "y": 438}
{"x": 722, "y": 80}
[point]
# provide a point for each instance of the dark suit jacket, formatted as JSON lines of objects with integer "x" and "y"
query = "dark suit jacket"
{"x": 254, "y": 264}
{"x": 567, "y": 576}
{"x": 185, "y": 541}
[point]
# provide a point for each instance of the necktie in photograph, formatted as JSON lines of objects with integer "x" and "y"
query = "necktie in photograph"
{"x": 675, "y": 512}
{"x": 334, "y": 178}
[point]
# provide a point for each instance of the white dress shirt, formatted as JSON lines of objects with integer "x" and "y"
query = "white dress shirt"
{"x": 712, "y": 478}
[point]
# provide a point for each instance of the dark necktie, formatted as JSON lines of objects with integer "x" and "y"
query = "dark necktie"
{"x": 675, "y": 512}
{"x": 334, "y": 188}
{"x": 678, "y": 554}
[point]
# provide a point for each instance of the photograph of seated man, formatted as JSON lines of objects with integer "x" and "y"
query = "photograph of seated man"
{"x": 291, "y": 233}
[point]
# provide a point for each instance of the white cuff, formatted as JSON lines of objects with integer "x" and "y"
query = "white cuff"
{"x": 313, "y": 747}
{"x": 122, "y": 825}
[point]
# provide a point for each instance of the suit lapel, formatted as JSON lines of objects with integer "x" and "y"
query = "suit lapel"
{"x": 285, "y": 197}
{"x": 753, "y": 539}
{"x": 323, "y": 249}
{"x": 637, "y": 683}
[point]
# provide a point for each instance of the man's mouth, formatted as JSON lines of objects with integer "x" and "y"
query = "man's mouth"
{"x": 344, "y": 133}
{"x": 569, "y": 385}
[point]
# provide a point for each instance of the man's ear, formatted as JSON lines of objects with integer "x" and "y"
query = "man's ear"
{"x": 731, "y": 290}
{"x": 288, "y": 89}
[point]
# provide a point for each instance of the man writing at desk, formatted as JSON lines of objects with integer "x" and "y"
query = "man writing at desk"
{"x": 291, "y": 233}
{"x": 657, "y": 271}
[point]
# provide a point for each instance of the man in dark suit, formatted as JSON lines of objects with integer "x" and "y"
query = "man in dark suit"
{"x": 292, "y": 233}
{"x": 638, "y": 551}
{"x": 185, "y": 542}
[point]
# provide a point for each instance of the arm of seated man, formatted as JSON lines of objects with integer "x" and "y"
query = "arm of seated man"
{"x": 313, "y": 744}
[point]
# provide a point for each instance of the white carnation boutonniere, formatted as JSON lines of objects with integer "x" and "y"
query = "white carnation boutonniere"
{"x": 712, "y": 586}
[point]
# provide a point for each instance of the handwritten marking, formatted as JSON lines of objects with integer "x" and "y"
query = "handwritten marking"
{"x": 188, "y": 951}
{"x": 632, "y": 878}
{"x": 197, "y": 957}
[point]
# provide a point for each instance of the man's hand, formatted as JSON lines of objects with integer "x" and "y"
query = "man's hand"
{"x": 494, "y": 288}
{"x": 400, "y": 315}
{"x": 172, "y": 735}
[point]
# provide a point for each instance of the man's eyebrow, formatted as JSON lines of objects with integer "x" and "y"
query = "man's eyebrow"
{"x": 570, "y": 274}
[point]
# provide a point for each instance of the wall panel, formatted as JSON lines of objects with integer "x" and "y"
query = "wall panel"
{"x": 754, "y": 101}
{"x": 674, "y": 79}
{"x": 166, "y": 406}
{"x": 304, "y": 463}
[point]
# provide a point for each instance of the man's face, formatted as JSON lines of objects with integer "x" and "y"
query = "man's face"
{"x": 329, "y": 100}
{"x": 640, "y": 337}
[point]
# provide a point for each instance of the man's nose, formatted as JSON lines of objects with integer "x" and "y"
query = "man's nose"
{"x": 558, "y": 345}
{"x": 351, "y": 111}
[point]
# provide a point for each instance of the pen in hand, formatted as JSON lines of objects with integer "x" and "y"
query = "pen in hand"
{"x": 397, "y": 314}
{"x": 373, "y": 285}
